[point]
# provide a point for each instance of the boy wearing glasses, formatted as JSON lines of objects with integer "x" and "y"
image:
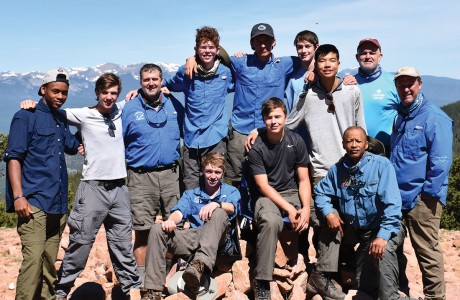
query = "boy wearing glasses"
{"x": 102, "y": 195}
{"x": 258, "y": 77}
{"x": 209, "y": 208}
{"x": 152, "y": 127}
{"x": 206, "y": 121}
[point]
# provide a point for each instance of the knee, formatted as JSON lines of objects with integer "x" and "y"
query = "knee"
{"x": 219, "y": 216}
{"x": 155, "y": 232}
{"x": 270, "y": 221}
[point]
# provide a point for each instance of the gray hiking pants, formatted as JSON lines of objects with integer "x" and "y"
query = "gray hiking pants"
{"x": 97, "y": 203}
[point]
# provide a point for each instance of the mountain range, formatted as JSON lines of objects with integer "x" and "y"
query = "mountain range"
{"x": 15, "y": 87}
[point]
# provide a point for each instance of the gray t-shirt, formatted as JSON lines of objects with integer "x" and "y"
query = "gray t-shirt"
{"x": 278, "y": 161}
{"x": 324, "y": 130}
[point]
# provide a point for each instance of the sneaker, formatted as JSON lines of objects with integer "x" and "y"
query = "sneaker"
{"x": 262, "y": 289}
{"x": 192, "y": 275}
{"x": 150, "y": 295}
{"x": 319, "y": 283}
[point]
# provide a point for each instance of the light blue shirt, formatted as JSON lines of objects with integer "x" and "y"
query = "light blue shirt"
{"x": 206, "y": 121}
{"x": 380, "y": 102}
{"x": 367, "y": 198}
{"x": 152, "y": 137}
{"x": 295, "y": 86}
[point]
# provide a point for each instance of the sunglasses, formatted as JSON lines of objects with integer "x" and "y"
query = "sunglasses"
{"x": 330, "y": 105}
{"x": 108, "y": 121}
{"x": 157, "y": 119}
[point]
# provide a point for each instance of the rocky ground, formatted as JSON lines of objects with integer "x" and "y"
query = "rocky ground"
{"x": 98, "y": 277}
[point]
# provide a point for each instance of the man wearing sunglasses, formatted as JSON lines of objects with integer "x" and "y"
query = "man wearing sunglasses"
{"x": 36, "y": 184}
{"x": 102, "y": 195}
{"x": 152, "y": 127}
{"x": 421, "y": 152}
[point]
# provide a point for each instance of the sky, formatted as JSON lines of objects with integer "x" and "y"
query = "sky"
{"x": 40, "y": 35}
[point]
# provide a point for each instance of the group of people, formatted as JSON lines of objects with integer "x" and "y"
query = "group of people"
{"x": 306, "y": 133}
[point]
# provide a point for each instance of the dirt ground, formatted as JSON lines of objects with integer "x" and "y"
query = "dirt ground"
{"x": 10, "y": 259}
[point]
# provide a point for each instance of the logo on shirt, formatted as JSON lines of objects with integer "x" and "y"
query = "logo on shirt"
{"x": 289, "y": 146}
{"x": 139, "y": 116}
{"x": 378, "y": 95}
{"x": 224, "y": 77}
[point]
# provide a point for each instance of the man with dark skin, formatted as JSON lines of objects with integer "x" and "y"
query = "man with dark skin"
{"x": 362, "y": 187}
{"x": 36, "y": 184}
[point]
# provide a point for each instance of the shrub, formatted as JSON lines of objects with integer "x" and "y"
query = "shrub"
{"x": 450, "y": 218}
{"x": 7, "y": 219}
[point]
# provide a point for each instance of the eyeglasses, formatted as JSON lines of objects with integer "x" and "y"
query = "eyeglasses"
{"x": 160, "y": 116}
{"x": 204, "y": 48}
{"x": 330, "y": 105}
{"x": 108, "y": 121}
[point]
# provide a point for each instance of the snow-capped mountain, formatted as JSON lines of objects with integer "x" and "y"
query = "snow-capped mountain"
{"x": 15, "y": 87}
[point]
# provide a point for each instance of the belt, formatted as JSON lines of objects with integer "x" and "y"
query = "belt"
{"x": 111, "y": 184}
{"x": 154, "y": 169}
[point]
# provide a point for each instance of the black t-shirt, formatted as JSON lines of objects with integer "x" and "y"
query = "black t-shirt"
{"x": 278, "y": 161}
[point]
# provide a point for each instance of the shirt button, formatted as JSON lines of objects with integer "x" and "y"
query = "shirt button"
{"x": 59, "y": 140}
{"x": 59, "y": 153}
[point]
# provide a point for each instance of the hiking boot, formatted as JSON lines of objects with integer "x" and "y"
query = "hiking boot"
{"x": 150, "y": 295}
{"x": 319, "y": 283}
{"x": 262, "y": 289}
{"x": 192, "y": 275}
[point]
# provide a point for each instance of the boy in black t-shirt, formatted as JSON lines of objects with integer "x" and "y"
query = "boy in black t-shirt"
{"x": 278, "y": 161}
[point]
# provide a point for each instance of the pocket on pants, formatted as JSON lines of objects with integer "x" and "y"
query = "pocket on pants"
{"x": 76, "y": 223}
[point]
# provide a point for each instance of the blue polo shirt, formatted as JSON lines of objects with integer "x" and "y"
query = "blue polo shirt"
{"x": 255, "y": 83}
{"x": 39, "y": 139}
{"x": 193, "y": 200}
{"x": 206, "y": 121}
{"x": 152, "y": 137}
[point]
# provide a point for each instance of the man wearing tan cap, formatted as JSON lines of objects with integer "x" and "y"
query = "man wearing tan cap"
{"x": 36, "y": 184}
{"x": 421, "y": 152}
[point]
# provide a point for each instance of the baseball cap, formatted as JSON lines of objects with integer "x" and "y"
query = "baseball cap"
{"x": 369, "y": 40}
{"x": 407, "y": 71}
{"x": 262, "y": 28}
{"x": 54, "y": 75}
